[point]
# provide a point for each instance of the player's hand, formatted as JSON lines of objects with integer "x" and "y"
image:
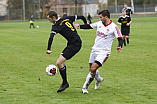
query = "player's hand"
{"x": 127, "y": 24}
{"x": 120, "y": 24}
{"x": 77, "y": 26}
{"x": 48, "y": 52}
{"x": 119, "y": 49}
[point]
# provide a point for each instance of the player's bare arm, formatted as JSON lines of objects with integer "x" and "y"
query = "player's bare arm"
{"x": 82, "y": 18}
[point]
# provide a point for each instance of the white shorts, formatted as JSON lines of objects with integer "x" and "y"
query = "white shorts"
{"x": 99, "y": 55}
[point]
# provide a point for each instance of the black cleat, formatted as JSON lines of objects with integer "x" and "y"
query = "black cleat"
{"x": 63, "y": 87}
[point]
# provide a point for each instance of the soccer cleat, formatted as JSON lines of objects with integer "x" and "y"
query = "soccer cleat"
{"x": 84, "y": 91}
{"x": 63, "y": 87}
{"x": 97, "y": 84}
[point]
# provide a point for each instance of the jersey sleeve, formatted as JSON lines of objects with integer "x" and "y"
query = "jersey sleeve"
{"x": 86, "y": 26}
{"x": 117, "y": 32}
{"x": 130, "y": 11}
{"x": 50, "y": 41}
{"x": 54, "y": 31}
{"x": 83, "y": 19}
{"x": 74, "y": 18}
{"x": 93, "y": 25}
{"x": 129, "y": 19}
{"x": 119, "y": 20}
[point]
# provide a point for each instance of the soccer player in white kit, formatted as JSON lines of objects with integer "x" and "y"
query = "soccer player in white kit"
{"x": 106, "y": 32}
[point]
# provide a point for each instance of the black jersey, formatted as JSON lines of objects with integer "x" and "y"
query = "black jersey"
{"x": 124, "y": 21}
{"x": 65, "y": 27}
{"x": 128, "y": 11}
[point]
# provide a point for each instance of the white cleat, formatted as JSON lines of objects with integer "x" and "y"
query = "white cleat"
{"x": 84, "y": 91}
{"x": 97, "y": 84}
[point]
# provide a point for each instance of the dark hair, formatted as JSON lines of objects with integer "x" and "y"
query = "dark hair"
{"x": 52, "y": 13}
{"x": 105, "y": 13}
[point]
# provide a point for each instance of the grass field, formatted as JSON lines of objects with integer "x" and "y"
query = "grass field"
{"x": 130, "y": 76}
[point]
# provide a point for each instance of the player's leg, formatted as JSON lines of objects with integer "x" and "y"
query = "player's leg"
{"x": 33, "y": 25}
{"x": 123, "y": 31}
{"x": 127, "y": 35}
{"x": 102, "y": 58}
{"x": 30, "y": 25}
{"x": 94, "y": 73}
{"x": 98, "y": 80}
{"x": 123, "y": 37}
{"x": 62, "y": 69}
{"x": 90, "y": 77}
{"x": 67, "y": 53}
{"x": 127, "y": 38}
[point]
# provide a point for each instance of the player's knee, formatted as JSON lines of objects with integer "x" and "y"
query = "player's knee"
{"x": 93, "y": 69}
{"x": 58, "y": 63}
{"x": 127, "y": 37}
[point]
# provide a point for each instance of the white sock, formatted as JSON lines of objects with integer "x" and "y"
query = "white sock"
{"x": 89, "y": 79}
{"x": 97, "y": 76}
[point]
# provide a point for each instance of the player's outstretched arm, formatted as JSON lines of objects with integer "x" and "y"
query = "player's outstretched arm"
{"x": 83, "y": 19}
{"x": 86, "y": 26}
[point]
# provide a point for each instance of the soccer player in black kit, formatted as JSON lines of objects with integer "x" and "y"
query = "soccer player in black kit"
{"x": 128, "y": 10}
{"x": 124, "y": 21}
{"x": 65, "y": 27}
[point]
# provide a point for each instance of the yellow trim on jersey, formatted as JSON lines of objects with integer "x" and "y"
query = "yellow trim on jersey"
{"x": 63, "y": 21}
{"x": 124, "y": 21}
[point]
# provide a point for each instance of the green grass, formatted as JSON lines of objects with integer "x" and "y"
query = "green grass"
{"x": 130, "y": 76}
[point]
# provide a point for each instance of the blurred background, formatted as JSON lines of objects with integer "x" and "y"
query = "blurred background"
{"x": 23, "y": 10}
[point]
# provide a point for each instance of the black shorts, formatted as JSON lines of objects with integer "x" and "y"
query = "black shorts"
{"x": 71, "y": 50}
{"x": 125, "y": 31}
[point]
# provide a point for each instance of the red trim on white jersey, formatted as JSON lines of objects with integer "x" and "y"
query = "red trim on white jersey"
{"x": 106, "y": 58}
{"x": 93, "y": 23}
{"x": 108, "y": 24}
{"x": 90, "y": 26}
{"x": 118, "y": 32}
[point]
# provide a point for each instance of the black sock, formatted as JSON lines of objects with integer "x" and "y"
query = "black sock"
{"x": 127, "y": 40}
{"x": 124, "y": 42}
{"x": 63, "y": 74}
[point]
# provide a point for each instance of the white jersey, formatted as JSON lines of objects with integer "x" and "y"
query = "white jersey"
{"x": 105, "y": 35}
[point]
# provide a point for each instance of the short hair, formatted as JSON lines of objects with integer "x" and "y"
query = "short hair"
{"x": 52, "y": 13}
{"x": 105, "y": 13}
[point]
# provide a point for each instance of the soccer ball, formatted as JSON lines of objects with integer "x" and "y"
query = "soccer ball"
{"x": 51, "y": 70}
{"x": 37, "y": 26}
